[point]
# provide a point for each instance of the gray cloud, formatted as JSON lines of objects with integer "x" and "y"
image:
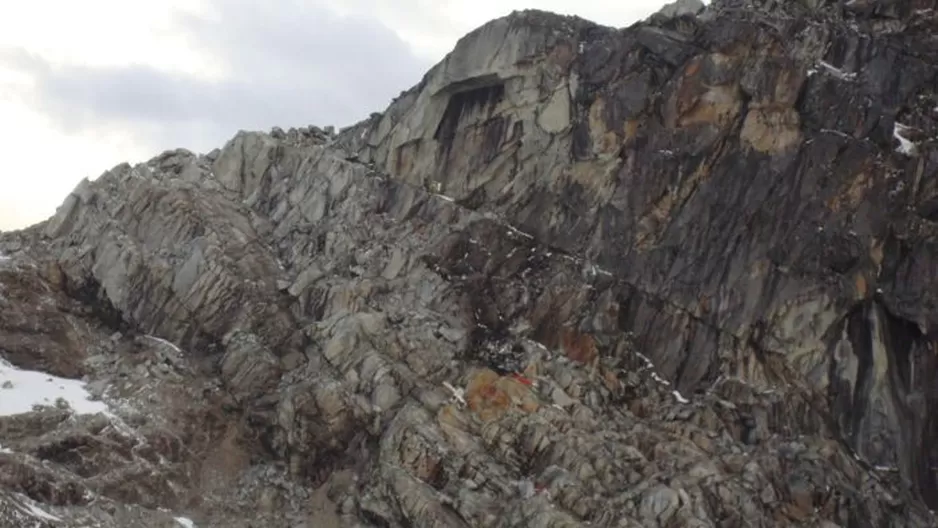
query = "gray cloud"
{"x": 292, "y": 64}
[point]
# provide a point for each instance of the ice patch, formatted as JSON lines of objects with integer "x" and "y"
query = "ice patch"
{"x": 20, "y": 390}
{"x": 185, "y": 522}
{"x": 905, "y": 146}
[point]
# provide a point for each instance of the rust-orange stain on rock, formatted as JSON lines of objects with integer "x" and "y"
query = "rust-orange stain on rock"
{"x": 611, "y": 381}
{"x": 578, "y": 347}
{"x": 862, "y": 289}
{"x": 490, "y": 396}
{"x": 703, "y": 305}
{"x": 693, "y": 67}
{"x": 854, "y": 192}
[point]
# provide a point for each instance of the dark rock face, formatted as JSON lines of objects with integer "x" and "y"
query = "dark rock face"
{"x": 678, "y": 274}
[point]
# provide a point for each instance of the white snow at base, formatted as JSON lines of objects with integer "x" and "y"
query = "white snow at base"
{"x": 680, "y": 397}
{"x": 905, "y": 146}
{"x": 4, "y": 450}
{"x": 20, "y": 390}
{"x": 185, "y": 522}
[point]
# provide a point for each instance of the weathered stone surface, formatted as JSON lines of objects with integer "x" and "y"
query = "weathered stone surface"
{"x": 679, "y": 274}
{"x": 681, "y": 8}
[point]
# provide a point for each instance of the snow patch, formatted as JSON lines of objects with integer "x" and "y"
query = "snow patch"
{"x": 679, "y": 397}
{"x": 165, "y": 342}
{"x": 20, "y": 390}
{"x": 837, "y": 72}
{"x": 591, "y": 270}
{"x": 4, "y": 257}
{"x": 905, "y": 146}
{"x": 654, "y": 374}
{"x": 185, "y": 522}
{"x": 443, "y": 197}
{"x": 519, "y": 232}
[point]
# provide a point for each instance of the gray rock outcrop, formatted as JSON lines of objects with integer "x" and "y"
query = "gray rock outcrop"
{"x": 679, "y": 274}
{"x": 681, "y": 8}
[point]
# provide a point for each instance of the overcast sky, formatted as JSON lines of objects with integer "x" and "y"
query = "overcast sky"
{"x": 85, "y": 85}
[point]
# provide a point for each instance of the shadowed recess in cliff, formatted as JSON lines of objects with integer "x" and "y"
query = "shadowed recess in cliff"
{"x": 91, "y": 294}
{"x": 872, "y": 348}
{"x": 914, "y": 369}
{"x": 475, "y": 99}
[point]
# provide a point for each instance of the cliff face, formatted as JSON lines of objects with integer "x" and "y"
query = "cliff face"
{"x": 678, "y": 274}
{"x": 759, "y": 183}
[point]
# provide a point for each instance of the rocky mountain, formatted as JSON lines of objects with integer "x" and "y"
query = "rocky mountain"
{"x": 679, "y": 274}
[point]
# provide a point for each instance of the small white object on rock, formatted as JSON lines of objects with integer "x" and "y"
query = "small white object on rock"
{"x": 905, "y": 146}
{"x": 680, "y": 397}
{"x": 458, "y": 394}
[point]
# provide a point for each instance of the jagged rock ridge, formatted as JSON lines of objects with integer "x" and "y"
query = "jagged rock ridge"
{"x": 678, "y": 274}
